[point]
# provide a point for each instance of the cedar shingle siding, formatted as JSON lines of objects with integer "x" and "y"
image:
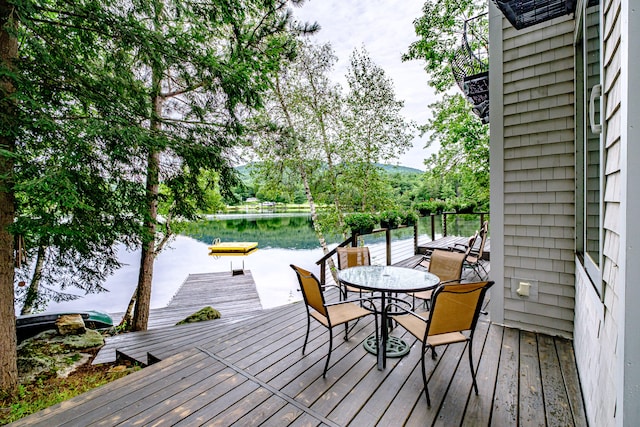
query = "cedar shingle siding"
{"x": 539, "y": 175}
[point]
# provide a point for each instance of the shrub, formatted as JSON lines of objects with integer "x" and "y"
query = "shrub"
{"x": 409, "y": 218}
{"x": 438, "y": 206}
{"x": 390, "y": 219}
{"x": 361, "y": 223}
{"x": 423, "y": 208}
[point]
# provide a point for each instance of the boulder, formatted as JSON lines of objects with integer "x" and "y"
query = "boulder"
{"x": 206, "y": 313}
{"x": 70, "y": 324}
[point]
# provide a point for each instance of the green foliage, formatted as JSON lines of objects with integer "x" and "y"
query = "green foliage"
{"x": 459, "y": 172}
{"x": 106, "y": 87}
{"x": 361, "y": 223}
{"x": 460, "y": 169}
{"x": 423, "y": 208}
{"x": 390, "y": 218}
{"x": 409, "y": 217}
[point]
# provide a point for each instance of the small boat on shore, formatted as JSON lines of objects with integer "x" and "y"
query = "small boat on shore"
{"x": 30, "y": 325}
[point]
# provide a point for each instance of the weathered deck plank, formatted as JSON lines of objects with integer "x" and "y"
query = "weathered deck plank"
{"x": 505, "y": 400}
{"x": 234, "y": 296}
{"x": 254, "y": 373}
{"x": 567, "y": 359}
{"x": 479, "y": 410}
{"x": 220, "y": 384}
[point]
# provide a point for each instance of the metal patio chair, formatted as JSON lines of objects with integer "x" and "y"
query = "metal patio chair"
{"x": 447, "y": 265}
{"x": 452, "y": 319}
{"x": 329, "y": 315}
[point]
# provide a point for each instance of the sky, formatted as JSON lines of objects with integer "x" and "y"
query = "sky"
{"x": 385, "y": 29}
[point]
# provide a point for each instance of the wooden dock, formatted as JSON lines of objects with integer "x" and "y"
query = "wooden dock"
{"x": 254, "y": 373}
{"x": 233, "y": 295}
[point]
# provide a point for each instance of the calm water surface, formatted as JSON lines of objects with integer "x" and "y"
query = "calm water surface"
{"x": 282, "y": 240}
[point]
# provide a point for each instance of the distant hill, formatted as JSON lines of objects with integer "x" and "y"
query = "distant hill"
{"x": 399, "y": 169}
{"x": 244, "y": 170}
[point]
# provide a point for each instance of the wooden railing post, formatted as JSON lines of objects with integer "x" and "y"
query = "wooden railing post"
{"x": 388, "y": 237}
{"x": 415, "y": 238}
{"x": 444, "y": 224}
{"x": 433, "y": 227}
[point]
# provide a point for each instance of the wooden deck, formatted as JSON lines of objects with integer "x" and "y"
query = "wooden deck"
{"x": 253, "y": 373}
{"x": 450, "y": 241}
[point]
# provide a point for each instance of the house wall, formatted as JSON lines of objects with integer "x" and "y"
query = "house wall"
{"x": 608, "y": 354}
{"x": 536, "y": 154}
{"x": 599, "y": 341}
{"x": 532, "y": 167}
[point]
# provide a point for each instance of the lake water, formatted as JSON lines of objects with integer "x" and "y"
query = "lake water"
{"x": 283, "y": 239}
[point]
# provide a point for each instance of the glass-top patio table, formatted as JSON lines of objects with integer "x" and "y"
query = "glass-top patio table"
{"x": 387, "y": 280}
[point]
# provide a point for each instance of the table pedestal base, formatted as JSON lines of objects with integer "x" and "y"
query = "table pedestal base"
{"x": 395, "y": 346}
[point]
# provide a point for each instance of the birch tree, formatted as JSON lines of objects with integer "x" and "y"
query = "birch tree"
{"x": 374, "y": 130}
{"x": 296, "y": 138}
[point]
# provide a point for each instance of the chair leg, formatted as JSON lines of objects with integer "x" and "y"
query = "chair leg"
{"x": 326, "y": 365}
{"x": 473, "y": 372}
{"x": 306, "y": 337}
{"x": 424, "y": 375}
{"x": 486, "y": 273}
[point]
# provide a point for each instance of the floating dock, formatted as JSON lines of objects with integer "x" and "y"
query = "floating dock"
{"x": 233, "y": 248}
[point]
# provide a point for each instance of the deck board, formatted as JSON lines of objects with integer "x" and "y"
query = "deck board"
{"x": 531, "y": 402}
{"x": 479, "y": 410}
{"x": 279, "y": 386}
{"x": 253, "y": 372}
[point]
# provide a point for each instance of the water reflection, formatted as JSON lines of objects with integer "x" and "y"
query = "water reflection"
{"x": 283, "y": 239}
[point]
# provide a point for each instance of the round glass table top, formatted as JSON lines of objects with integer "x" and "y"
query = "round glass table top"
{"x": 388, "y": 278}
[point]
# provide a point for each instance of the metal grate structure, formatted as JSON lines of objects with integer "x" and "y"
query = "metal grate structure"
{"x": 470, "y": 65}
{"x": 525, "y": 13}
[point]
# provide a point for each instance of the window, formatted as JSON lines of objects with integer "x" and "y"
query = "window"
{"x": 589, "y": 142}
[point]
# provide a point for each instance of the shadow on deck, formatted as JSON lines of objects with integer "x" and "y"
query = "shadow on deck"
{"x": 253, "y": 373}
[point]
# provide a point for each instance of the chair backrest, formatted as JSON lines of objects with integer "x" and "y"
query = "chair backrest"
{"x": 471, "y": 242}
{"x": 447, "y": 265}
{"x": 484, "y": 231}
{"x": 456, "y": 307}
{"x": 311, "y": 290}
{"x": 353, "y": 256}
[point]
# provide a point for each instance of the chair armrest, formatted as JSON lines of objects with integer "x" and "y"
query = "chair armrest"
{"x": 420, "y": 261}
{"x": 356, "y": 300}
{"x": 325, "y": 287}
{"x": 462, "y": 248}
{"x": 404, "y": 311}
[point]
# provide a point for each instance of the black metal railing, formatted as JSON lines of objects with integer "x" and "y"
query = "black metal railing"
{"x": 390, "y": 246}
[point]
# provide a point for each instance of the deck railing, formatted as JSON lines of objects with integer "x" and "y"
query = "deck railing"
{"x": 355, "y": 240}
{"x": 393, "y": 250}
{"x": 445, "y": 216}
